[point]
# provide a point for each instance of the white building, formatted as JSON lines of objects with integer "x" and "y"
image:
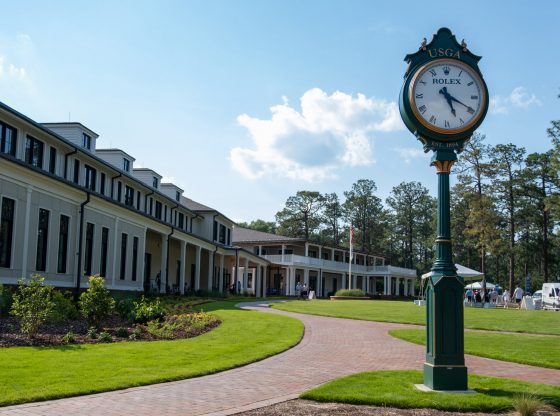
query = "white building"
{"x": 69, "y": 210}
{"x": 324, "y": 269}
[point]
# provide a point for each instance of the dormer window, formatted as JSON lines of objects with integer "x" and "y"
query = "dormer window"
{"x": 126, "y": 165}
{"x": 155, "y": 182}
{"x": 177, "y": 196}
{"x": 86, "y": 141}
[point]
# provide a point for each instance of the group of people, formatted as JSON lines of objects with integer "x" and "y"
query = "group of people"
{"x": 479, "y": 296}
{"x": 302, "y": 290}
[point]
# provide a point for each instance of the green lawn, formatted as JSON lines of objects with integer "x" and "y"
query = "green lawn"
{"x": 538, "y": 350}
{"x": 513, "y": 320}
{"x": 396, "y": 389}
{"x": 30, "y": 374}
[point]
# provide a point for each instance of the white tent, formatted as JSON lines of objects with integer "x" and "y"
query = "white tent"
{"x": 478, "y": 286}
{"x": 464, "y": 272}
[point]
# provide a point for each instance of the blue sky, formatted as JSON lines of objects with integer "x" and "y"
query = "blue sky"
{"x": 243, "y": 103}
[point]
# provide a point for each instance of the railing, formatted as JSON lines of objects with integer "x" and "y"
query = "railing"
{"x": 295, "y": 260}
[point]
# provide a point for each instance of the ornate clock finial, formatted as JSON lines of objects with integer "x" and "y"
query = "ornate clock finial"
{"x": 464, "y": 45}
{"x": 424, "y": 43}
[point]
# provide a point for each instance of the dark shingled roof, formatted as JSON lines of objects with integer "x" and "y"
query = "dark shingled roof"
{"x": 245, "y": 235}
{"x": 195, "y": 206}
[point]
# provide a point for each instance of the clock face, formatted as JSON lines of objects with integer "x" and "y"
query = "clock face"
{"x": 447, "y": 96}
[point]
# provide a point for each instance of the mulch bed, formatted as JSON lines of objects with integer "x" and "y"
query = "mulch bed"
{"x": 51, "y": 334}
{"x": 310, "y": 408}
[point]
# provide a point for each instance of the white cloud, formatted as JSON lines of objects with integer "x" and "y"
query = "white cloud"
{"x": 410, "y": 153}
{"x": 329, "y": 132}
{"x": 519, "y": 98}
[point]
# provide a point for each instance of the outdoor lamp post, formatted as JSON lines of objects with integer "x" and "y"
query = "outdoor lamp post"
{"x": 443, "y": 100}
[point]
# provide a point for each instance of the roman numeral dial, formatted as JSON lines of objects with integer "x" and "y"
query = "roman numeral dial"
{"x": 447, "y": 96}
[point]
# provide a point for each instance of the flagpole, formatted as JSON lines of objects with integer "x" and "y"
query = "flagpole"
{"x": 351, "y": 255}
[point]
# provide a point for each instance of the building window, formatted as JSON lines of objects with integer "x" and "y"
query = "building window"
{"x": 229, "y": 237}
{"x": 6, "y": 231}
{"x": 165, "y": 213}
{"x": 89, "y": 249}
{"x": 128, "y": 196}
{"x": 126, "y": 165}
{"x": 181, "y": 220}
{"x": 124, "y": 241}
{"x": 222, "y": 238}
{"x": 119, "y": 191}
{"x": 42, "y": 240}
{"x": 102, "y": 179}
{"x": 104, "y": 250}
{"x": 76, "y": 171}
{"x": 86, "y": 141}
{"x": 177, "y": 196}
{"x": 34, "y": 152}
{"x": 155, "y": 182}
{"x": 151, "y": 205}
{"x": 9, "y": 139}
{"x": 52, "y": 160}
{"x": 134, "y": 257}
{"x": 91, "y": 177}
{"x": 215, "y": 231}
{"x": 63, "y": 244}
{"x": 158, "y": 210}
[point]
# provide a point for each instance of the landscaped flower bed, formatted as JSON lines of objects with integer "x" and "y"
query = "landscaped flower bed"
{"x": 42, "y": 316}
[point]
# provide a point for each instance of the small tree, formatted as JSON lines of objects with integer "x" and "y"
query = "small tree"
{"x": 96, "y": 303}
{"x": 32, "y": 304}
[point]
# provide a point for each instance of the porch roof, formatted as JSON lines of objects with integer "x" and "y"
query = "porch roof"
{"x": 246, "y": 235}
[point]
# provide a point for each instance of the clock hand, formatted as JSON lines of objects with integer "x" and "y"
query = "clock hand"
{"x": 444, "y": 92}
{"x": 457, "y": 101}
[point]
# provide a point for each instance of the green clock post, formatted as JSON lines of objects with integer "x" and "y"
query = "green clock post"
{"x": 443, "y": 100}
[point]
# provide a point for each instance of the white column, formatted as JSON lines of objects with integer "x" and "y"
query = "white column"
{"x": 293, "y": 280}
{"x": 26, "y": 235}
{"x": 258, "y": 282}
{"x": 306, "y": 276}
{"x": 283, "y": 249}
{"x": 236, "y": 277}
{"x": 210, "y": 269}
{"x": 385, "y": 285}
{"x": 265, "y": 279}
{"x": 221, "y": 284}
{"x": 183, "y": 249}
{"x": 343, "y": 284}
{"x": 320, "y": 252}
{"x": 306, "y": 249}
{"x": 197, "y": 269}
{"x": 245, "y": 274}
{"x": 332, "y": 254}
{"x": 260, "y": 250}
{"x": 163, "y": 263}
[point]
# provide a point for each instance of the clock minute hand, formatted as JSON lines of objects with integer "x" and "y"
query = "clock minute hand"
{"x": 457, "y": 101}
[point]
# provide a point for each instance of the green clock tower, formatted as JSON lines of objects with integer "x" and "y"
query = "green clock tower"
{"x": 444, "y": 99}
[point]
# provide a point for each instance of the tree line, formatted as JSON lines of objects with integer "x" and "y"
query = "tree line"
{"x": 505, "y": 208}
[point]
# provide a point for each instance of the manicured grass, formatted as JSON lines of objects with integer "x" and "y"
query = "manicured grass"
{"x": 396, "y": 389}
{"x": 538, "y": 350}
{"x": 30, "y": 374}
{"x": 512, "y": 320}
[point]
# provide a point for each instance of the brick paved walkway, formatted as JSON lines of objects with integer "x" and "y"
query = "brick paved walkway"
{"x": 331, "y": 348}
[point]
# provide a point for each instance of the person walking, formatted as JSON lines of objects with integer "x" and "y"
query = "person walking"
{"x": 518, "y": 294}
{"x": 469, "y": 295}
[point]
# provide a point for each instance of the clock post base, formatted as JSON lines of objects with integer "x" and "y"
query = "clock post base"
{"x": 445, "y": 378}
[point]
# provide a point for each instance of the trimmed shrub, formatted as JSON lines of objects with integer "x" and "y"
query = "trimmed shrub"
{"x": 6, "y": 299}
{"x": 69, "y": 338}
{"x": 105, "y": 337}
{"x": 32, "y": 304}
{"x": 96, "y": 302}
{"x": 92, "y": 333}
{"x": 125, "y": 308}
{"x": 121, "y": 332}
{"x": 145, "y": 311}
{"x": 64, "y": 309}
{"x": 350, "y": 292}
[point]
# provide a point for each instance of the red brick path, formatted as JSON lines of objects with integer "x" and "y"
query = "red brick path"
{"x": 331, "y": 348}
